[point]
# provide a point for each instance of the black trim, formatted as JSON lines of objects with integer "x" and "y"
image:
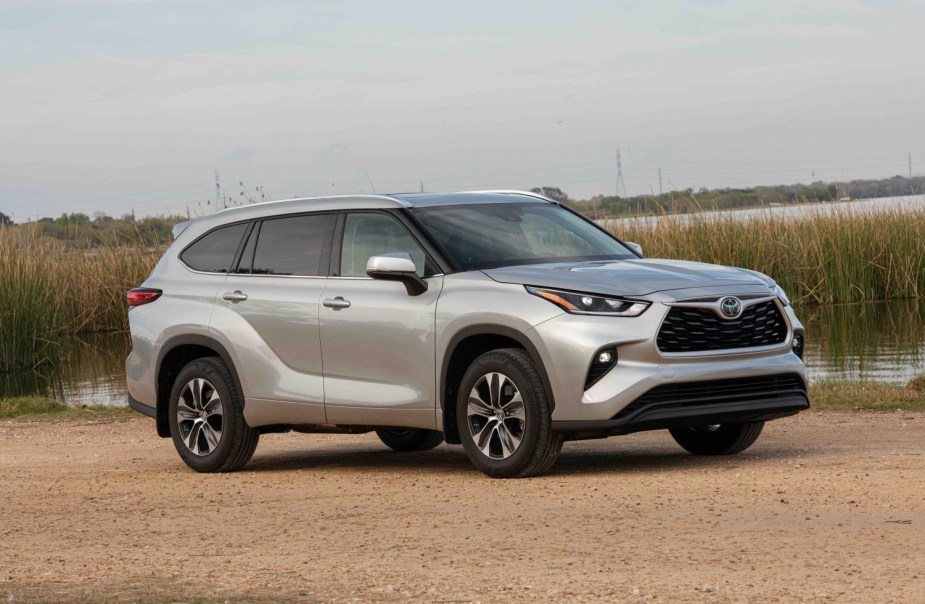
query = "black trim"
{"x": 141, "y": 407}
{"x": 163, "y": 428}
{"x": 241, "y": 246}
{"x": 676, "y": 417}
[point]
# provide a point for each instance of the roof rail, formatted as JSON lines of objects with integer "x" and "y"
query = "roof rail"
{"x": 515, "y": 192}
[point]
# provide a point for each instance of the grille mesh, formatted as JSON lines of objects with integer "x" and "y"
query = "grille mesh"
{"x": 735, "y": 390}
{"x": 700, "y": 329}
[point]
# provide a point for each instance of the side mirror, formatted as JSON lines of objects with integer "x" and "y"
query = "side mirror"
{"x": 397, "y": 266}
{"x": 635, "y": 247}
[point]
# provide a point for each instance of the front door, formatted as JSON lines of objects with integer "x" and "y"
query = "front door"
{"x": 377, "y": 341}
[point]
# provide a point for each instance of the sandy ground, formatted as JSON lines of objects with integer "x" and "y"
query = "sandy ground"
{"x": 826, "y": 506}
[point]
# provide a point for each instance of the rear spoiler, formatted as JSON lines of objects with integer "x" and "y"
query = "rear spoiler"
{"x": 179, "y": 228}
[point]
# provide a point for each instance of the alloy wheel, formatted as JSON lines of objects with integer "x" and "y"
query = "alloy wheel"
{"x": 200, "y": 416}
{"x": 496, "y": 416}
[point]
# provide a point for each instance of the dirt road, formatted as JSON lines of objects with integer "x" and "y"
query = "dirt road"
{"x": 826, "y": 506}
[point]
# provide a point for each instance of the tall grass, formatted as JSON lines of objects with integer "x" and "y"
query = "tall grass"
{"x": 48, "y": 292}
{"x": 817, "y": 258}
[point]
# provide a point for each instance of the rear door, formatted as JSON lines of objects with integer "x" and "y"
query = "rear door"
{"x": 377, "y": 340}
{"x": 268, "y": 313}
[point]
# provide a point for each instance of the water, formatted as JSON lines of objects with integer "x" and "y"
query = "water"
{"x": 883, "y": 341}
{"x": 906, "y": 203}
{"x": 93, "y": 375}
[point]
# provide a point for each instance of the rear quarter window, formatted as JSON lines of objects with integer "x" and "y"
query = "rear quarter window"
{"x": 214, "y": 252}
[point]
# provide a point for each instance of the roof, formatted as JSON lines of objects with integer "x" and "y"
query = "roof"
{"x": 358, "y": 202}
{"x": 406, "y": 200}
{"x": 424, "y": 200}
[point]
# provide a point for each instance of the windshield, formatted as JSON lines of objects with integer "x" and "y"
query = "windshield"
{"x": 491, "y": 235}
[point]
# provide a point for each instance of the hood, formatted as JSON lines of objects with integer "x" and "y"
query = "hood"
{"x": 628, "y": 277}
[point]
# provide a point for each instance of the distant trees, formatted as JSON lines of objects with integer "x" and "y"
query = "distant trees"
{"x": 688, "y": 200}
{"x": 554, "y": 193}
{"x": 103, "y": 230}
{"x": 5, "y": 220}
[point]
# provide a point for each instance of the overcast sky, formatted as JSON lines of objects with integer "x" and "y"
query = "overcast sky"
{"x": 119, "y": 105}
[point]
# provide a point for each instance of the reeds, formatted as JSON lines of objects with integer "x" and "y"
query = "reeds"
{"x": 817, "y": 258}
{"x": 49, "y": 292}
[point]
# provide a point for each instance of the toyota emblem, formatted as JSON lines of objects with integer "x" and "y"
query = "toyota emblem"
{"x": 730, "y": 307}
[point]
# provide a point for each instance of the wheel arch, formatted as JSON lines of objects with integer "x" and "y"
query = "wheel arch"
{"x": 464, "y": 347}
{"x": 175, "y": 353}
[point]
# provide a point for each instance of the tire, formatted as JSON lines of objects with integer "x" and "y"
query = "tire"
{"x": 409, "y": 439}
{"x": 724, "y": 439}
{"x": 232, "y": 441}
{"x": 495, "y": 379}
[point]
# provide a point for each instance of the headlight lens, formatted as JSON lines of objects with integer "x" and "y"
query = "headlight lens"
{"x": 778, "y": 291}
{"x": 589, "y": 304}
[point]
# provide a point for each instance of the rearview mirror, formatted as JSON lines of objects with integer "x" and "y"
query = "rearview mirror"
{"x": 397, "y": 266}
{"x": 635, "y": 247}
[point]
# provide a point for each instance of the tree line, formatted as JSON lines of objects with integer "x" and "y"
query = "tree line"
{"x": 689, "y": 200}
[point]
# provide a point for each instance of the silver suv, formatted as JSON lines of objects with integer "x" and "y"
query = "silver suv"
{"x": 502, "y": 321}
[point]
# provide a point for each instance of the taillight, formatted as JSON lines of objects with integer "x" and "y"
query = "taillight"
{"x": 142, "y": 295}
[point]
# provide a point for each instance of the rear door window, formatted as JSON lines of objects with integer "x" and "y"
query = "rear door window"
{"x": 295, "y": 245}
{"x": 215, "y": 252}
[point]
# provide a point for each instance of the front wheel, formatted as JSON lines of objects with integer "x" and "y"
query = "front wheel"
{"x": 409, "y": 439}
{"x": 718, "y": 439}
{"x": 503, "y": 416}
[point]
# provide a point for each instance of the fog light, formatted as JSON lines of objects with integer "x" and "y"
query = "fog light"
{"x": 798, "y": 343}
{"x": 602, "y": 362}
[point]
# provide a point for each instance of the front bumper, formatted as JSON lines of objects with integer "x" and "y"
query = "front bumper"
{"x": 568, "y": 342}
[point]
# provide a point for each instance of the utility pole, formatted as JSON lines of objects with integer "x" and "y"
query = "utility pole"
{"x": 187, "y": 213}
{"x": 910, "y": 165}
{"x": 422, "y": 186}
{"x": 218, "y": 189}
{"x": 620, "y": 182}
{"x": 659, "y": 181}
{"x": 133, "y": 215}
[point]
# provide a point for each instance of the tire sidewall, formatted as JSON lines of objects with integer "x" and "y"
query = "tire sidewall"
{"x": 505, "y": 365}
{"x": 215, "y": 459}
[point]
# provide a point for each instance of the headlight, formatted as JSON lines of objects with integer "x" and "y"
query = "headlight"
{"x": 778, "y": 291}
{"x": 588, "y": 304}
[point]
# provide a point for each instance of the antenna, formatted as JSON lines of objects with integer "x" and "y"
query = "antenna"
{"x": 369, "y": 179}
{"x": 620, "y": 182}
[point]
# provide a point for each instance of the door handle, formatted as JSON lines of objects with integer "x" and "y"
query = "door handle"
{"x": 235, "y": 296}
{"x": 336, "y": 303}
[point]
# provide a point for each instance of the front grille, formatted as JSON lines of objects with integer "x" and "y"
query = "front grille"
{"x": 735, "y": 390}
{"x": 687, "y": 329}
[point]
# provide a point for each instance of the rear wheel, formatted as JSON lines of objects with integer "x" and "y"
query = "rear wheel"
{"x": 717, "y": 439}
{"x": 503, "y": 416}
{"x": 206, "y": 417}
{"x": 409, "y": 439}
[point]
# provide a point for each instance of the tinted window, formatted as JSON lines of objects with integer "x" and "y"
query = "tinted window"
{"x": 490, "y": 235}
{"x": 370, "y": 234}
{"x": 292, "y": 246}
{"x": 215, "y": 252}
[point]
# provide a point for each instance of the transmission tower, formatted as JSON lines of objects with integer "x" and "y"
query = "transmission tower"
{"x": 620, "y": 184}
